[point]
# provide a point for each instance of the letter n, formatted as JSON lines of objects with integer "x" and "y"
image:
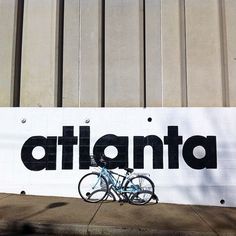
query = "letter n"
{"x": 157, "y": 146}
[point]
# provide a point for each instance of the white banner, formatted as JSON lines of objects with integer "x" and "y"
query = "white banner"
{"x": 190, "y": 153}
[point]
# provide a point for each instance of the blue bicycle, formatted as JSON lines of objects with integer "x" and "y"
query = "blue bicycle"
{"x": 102, "y": 185}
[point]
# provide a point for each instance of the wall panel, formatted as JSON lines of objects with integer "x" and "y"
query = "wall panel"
{"x": 82, "y": 53}
{"x": 71, "y": 53}
{"x": 171, "y": 53}
{"x": 124, "y": 80}
{"x": 39, "y": 53}
{"x": 230, "y": 29}
{"x": 90, "y": 53}
{"x": 7, "y": 50}
{"x": 203, "y": 48}
{"x": 153, "y": 53}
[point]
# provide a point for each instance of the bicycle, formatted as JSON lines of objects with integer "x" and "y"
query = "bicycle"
{"x": 98, "y": 186}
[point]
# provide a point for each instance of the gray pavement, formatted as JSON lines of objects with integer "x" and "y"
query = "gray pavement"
{"x": 35, "y": 215}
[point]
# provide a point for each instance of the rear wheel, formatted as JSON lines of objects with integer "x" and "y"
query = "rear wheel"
{"x": 93, "y": 187}
{"x": 140, "y": 190}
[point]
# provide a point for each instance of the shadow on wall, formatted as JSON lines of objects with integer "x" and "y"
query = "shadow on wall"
{"x": 213, "y": 185}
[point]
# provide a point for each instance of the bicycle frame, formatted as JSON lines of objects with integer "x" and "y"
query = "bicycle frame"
{"x": 116, "y": 184}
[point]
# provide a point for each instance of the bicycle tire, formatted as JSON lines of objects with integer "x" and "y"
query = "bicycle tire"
{"x": 93, "y": 187}
{"x": 144, "y": 190}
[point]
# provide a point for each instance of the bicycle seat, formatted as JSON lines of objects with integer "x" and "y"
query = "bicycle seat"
{"x": 130, "y": 170}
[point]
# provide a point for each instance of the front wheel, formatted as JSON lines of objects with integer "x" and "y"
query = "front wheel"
{"x": 93, "y": 187}
{"x": 139, "y": 190}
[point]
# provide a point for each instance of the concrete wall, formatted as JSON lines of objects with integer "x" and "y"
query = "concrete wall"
{"x": 95, "y": 53}
{"x": 7, "y": 41}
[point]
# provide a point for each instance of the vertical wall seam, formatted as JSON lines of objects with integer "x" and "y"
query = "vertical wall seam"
{"x": 183, "y": 60}
{"x": 224, "y": 53}
{"x": 18, "y": 53}
{"x": 161, "y": 55}
{"x": 161, "y": 60}
{"x": 80, "y": 53}
{"x": 144, "y": 56}
{"x": 60, "y": 53}
{"x": 103, "y": 90}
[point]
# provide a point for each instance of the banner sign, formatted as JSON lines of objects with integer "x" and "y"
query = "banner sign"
{"x": 189, "y": 153}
